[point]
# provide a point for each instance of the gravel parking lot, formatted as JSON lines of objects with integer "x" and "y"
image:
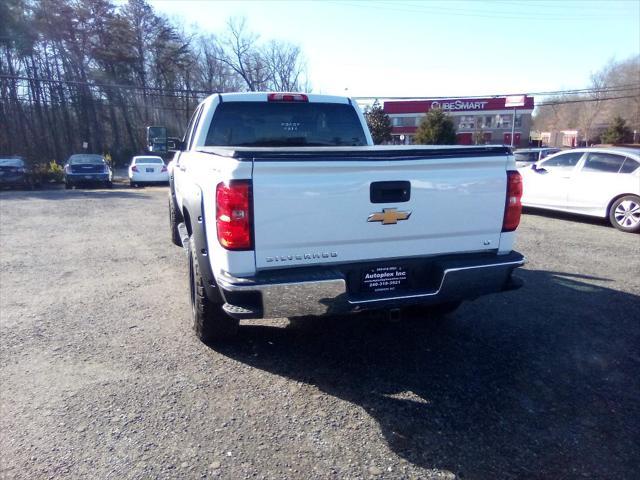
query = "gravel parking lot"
{"x": 101, "y": 376}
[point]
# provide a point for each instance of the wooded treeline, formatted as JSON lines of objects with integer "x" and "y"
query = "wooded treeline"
{"x": 75, "y": 71}
{"x": 614, "y": 91}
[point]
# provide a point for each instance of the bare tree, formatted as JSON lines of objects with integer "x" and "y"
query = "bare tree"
{"x": 590, "y": 110}
{"x": 215, "y": 75}
{"x": 613, "y": 90}
{"x": 242, "y": 55}
{"x": 286, "y": 66}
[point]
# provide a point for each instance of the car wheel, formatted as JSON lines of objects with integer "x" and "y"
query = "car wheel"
{"x": 624, "y": 213}
{"x": 132, "y": 184}
{"x": 174, "y": 219}
{"x": 67, "y": 186}
{"x": 210, "y": 323}
{"x": 109, "y": 184}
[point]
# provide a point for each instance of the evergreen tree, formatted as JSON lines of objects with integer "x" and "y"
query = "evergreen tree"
{"x": 436, "y": 129}
{"x": 618, "y": 132}
{"x": 379, "y": 123}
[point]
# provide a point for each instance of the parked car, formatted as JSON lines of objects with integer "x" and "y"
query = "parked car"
{"x": 147, "y": 169}
{"x": 600, "y": 182}
{"x": 525, "y": 157}
{"x": 14, "y": 172}
{"x": 85, "y": 169}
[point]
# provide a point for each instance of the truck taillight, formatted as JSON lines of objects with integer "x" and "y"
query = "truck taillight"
{"x": 513, "y": 205}
{"x": 287, "y": 97}
{"x": 233, "y": 215}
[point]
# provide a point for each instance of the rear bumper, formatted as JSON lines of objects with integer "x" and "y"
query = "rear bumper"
{"x": 298, "y": 292}
{"x": 14, "y": 180}
{"x": 78, "y": 178}
{"x": 149, "y": 178}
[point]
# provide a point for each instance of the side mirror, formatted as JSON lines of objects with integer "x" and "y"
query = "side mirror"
{"x": 537, "y": 169}
{"x": 175, "y": 144}
{"x": 157, "y": 139}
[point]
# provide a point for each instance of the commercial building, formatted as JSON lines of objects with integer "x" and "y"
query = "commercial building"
{"x": 477, "y": 120}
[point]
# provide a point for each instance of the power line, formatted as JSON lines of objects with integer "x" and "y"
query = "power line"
{"x": 164, "y": 91}
{"x": 106, "y": 85}
{"x": 582, "y": 91}
{"x": 457, "y": 12}
{"x": 159, "y": 92}
{"x": 584, "y": 100}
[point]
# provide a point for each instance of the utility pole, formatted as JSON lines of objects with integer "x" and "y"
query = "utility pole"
{"x": 514, "y": 101}
{"x": 513, "y": 126}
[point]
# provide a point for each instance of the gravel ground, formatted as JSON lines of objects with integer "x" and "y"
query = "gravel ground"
{"x": 102, "y": 378}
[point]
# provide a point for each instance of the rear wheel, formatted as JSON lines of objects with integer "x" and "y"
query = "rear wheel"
{"x": 174, "y": 220}
{"x": 624, "y": 213}
{"x": 67, "y": 186}
{"x": 210, "y": 323}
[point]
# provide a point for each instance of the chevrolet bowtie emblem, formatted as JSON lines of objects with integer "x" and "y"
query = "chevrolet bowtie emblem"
{"x": 388, "y": 216}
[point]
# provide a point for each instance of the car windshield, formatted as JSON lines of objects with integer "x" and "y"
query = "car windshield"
{"x": 11, "y": 162}
{"x": 285, "y": 124}
{"x": 86, "y": 159}
{"x": 153, "y": 160}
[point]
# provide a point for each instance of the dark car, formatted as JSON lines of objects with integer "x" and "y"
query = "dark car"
{"x": 14, "y": 172}
{"x": 528, "y": 156}
{"x": 86, "y": 169}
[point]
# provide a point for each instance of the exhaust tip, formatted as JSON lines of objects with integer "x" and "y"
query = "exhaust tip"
{"x": 394, "y": 314}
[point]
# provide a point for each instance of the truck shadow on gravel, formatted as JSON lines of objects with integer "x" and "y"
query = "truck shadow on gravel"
{"x": 538, "y": 383}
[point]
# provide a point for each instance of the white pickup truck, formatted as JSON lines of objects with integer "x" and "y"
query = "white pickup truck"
{"x": 287, "y": 209}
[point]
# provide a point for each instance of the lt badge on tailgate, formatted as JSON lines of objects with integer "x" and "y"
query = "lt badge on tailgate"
{"x": 388, "y": 216}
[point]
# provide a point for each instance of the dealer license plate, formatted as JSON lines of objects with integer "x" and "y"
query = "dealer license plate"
{"x": 385, "y": 279}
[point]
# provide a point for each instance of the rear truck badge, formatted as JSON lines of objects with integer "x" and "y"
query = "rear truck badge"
{"x": 388, "y": 216}
{"x": 304, "y": 256}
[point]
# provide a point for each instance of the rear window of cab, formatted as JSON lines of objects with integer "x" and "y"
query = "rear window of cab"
{"x": 285, "y": 124}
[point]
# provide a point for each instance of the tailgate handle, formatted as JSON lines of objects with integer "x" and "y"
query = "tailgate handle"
{"x": 390, "y": 192}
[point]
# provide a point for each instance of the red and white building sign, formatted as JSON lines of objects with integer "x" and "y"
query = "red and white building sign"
{"x": 477, "y": 120}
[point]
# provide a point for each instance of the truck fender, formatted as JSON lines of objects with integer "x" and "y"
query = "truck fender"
{"x": 194, "y": 221}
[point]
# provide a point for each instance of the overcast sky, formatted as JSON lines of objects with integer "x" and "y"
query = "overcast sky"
{"x": 434, "y": 48}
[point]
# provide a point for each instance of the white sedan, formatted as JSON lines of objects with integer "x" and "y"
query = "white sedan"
{"x": 600, "y": 182}
{"x": 147, "y": 169}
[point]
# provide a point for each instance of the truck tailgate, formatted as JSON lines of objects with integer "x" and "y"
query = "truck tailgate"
{"x": 322, "y": 211}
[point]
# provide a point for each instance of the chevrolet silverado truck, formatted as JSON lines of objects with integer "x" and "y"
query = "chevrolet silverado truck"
{"x": 286, "y": 209}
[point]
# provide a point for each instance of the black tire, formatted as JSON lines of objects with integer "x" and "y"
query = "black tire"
{"x": 109, "y": 184}
{"x": 624, "y": 214}
{"x": 174, "y": 219}
{"x": 67, "y": 186}
{"x": 210, "y": 323}
{"x": 132, "y": 184}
